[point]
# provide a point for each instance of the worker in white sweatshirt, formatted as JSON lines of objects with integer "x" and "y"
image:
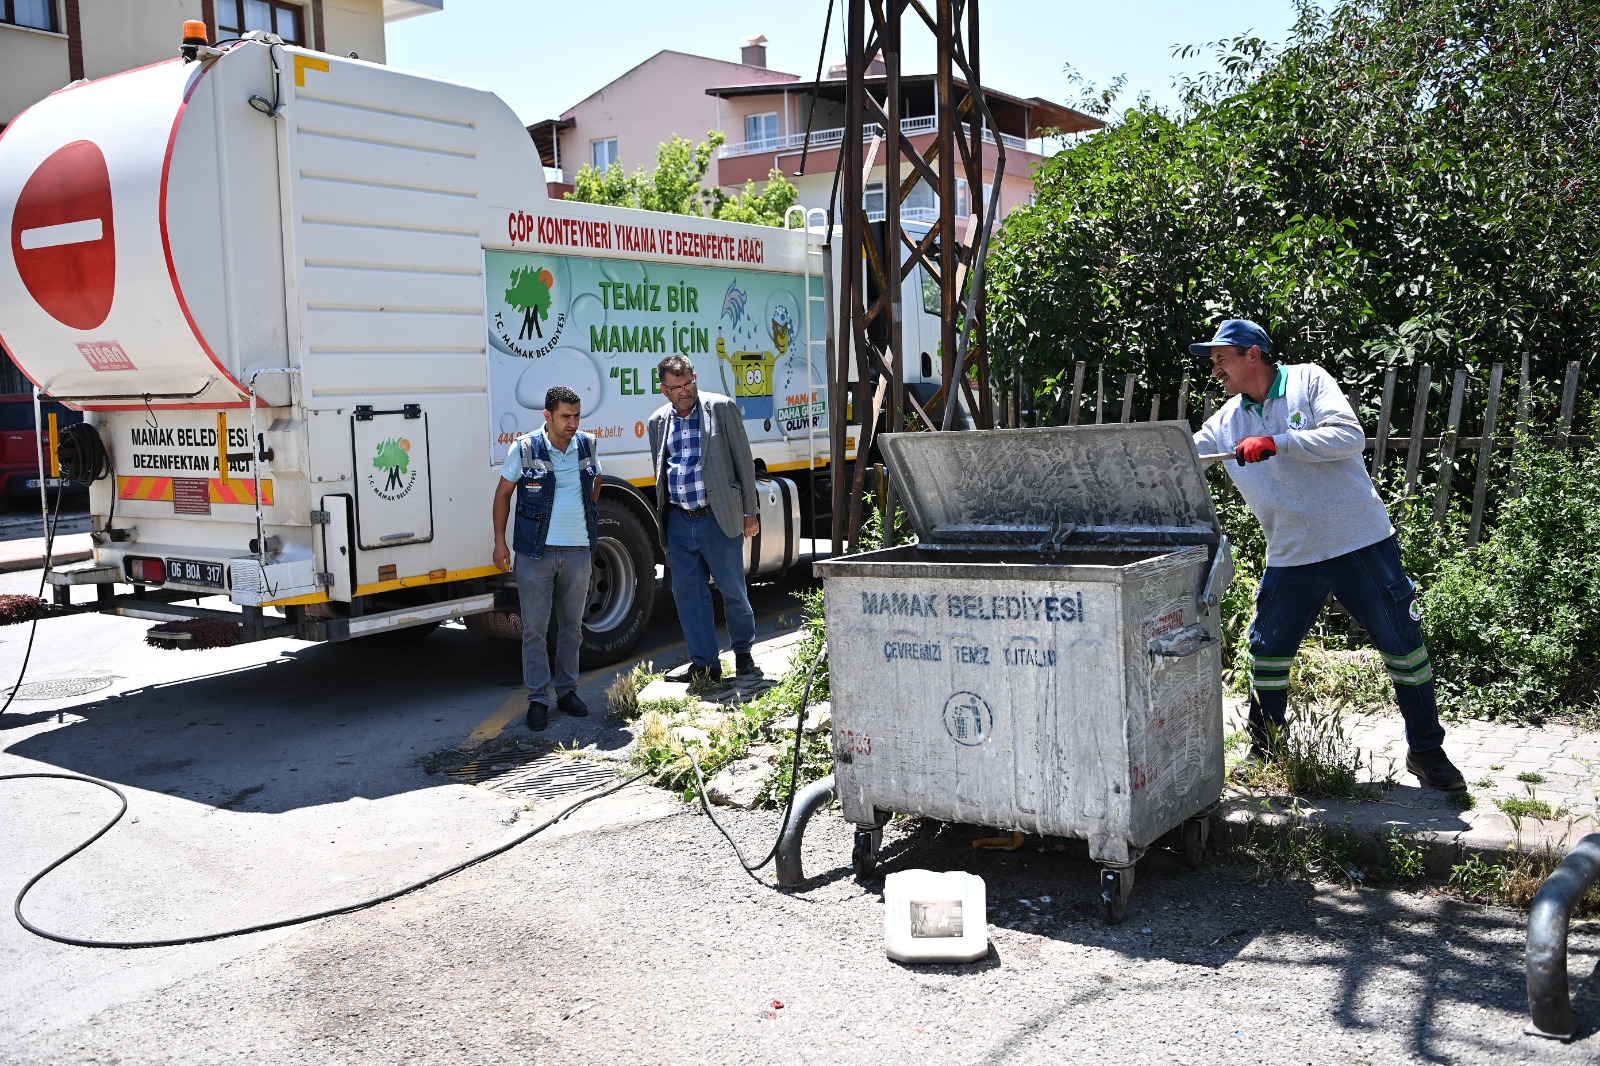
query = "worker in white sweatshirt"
{"x": 1298, "y": 447}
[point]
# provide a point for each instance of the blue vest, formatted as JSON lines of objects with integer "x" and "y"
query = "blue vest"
{"x": 536, "y": 494}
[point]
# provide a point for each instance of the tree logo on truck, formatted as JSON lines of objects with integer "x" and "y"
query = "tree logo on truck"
{"x": 395, "y": 478}
{"x": 530, "y": 294}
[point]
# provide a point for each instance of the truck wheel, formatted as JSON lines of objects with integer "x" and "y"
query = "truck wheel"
{"x": 622, "y": 589}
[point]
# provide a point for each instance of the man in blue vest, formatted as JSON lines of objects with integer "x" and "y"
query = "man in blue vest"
{"x": 1298, "y": 447}
{"x": 556, "y": 478}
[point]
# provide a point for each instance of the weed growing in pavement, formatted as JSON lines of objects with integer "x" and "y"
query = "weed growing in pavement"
{"x": 1312, "y": 757}
{"x": 1531, "y": 778}
{"x": 1306, "y": 850}
{"x": 1405, "y": 856}
{"x": 668, "y": 729}
{"x": 622, "y": 695}
{"x": 1477, "y": 879}
{"x": 1529, "y": 806}
{"x": 1461, "y": 801}
{"x": 1313, "y": 852}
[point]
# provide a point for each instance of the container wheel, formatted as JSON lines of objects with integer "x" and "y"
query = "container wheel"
{"x": 622, "y": 586}
{"x": 864, "y": 855}
{"x": 1114, "y": 888}
{"x": 1195, "y": 832}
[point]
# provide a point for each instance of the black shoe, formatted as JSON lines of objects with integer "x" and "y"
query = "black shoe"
{"x": 744, "y": 664}
{"x": 1434, "y": 769}
{"x": 538, "y": 716}
{"x": 692, "y": 672}
{"x": 571, "y": 704}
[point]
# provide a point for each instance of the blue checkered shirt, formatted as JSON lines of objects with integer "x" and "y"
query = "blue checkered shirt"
{"x": 686, "y": 473}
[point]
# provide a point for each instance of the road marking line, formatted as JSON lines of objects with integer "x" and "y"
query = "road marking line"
{"x": 492, "y": 726}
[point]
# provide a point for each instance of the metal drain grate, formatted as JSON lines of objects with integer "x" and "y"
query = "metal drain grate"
{"x": 60, "y": 688}
{"x": 569, "y": 777}
{"x": 526, "y": 772}
{"x": 478, "y": 771}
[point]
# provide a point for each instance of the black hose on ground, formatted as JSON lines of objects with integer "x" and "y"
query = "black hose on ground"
{"x": 794, "y": 777}
{"x": 33, "y": 625}
{"x": 201, "y": 938}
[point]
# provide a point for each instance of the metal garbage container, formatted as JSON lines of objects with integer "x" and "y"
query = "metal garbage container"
{"x": 1047, "y": 657}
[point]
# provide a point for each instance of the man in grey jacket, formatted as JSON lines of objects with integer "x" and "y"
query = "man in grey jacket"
{"x": 706, "y": 492}
{"x": 1298, "y": 446}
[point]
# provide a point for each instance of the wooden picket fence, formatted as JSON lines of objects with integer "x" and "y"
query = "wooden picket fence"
{"x": 1443, "y": 451}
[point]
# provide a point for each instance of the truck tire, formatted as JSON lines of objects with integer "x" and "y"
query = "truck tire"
{"x": 622, "y": 589}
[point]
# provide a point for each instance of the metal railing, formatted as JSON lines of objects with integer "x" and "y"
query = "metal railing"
{"x": 908, "y": 214}
{"x": 834, "y": 137}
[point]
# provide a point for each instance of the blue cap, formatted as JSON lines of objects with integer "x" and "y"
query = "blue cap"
{"x": 1234, "y": 333}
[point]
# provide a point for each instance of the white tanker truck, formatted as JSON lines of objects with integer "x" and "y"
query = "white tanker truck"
{"x": 307, "y": 302}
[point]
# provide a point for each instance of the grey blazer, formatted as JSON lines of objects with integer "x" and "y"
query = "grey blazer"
{"x": 730, "y": 470}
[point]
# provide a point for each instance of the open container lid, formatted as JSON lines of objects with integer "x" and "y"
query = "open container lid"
{"x": 1056, "y": 487}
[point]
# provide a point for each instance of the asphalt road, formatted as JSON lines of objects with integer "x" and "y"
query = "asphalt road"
{"x": 283, "y": 778}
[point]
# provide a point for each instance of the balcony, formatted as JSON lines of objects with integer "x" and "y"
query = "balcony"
{"x": 922, "y": 124}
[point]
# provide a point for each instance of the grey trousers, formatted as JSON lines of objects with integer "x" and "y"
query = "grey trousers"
{"x": 554, "y": 588}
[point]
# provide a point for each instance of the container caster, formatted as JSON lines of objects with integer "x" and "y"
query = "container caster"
{"x": 1116, "y": 883}
{"x": 1196, "y": 832}
{"x": 864, "y": 855}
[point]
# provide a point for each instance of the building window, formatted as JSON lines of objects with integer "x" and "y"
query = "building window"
{"x": 603, "y": 153}
{"x": 35, "y": 14}
{"x": 872, "y": 200}
{"x": 921, "y": 202}
{"x": 235, "y": 18}
{"x": 761, "y": 131}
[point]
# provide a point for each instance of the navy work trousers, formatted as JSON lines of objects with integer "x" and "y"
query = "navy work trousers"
{"x": 1372, "y": 585}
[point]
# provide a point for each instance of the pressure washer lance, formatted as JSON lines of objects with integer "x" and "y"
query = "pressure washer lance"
{"x": 1215, "y": 457}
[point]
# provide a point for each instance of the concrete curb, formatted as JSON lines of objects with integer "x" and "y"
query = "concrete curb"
{"x": 14, "y": 564}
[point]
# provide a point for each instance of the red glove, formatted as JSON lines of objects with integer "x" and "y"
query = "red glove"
{"x": 1255, "y": 449}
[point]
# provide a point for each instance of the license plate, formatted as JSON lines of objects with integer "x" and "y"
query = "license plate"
{"x": 194, "y": 572}
{"x": 49, "y": 482}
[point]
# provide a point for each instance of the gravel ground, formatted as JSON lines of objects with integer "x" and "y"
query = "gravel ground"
{"x": 629, "y": 934}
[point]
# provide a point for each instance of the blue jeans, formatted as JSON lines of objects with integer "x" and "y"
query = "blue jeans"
{"x": 555, "y": 586}
{"x": 1374, "y": 588}
{"x": 698, "y": 550}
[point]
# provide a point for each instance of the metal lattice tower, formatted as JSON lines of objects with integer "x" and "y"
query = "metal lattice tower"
{"x": 870, "y": 300}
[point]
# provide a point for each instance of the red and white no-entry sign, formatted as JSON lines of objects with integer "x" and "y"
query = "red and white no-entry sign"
{"x": 62, "y": 237}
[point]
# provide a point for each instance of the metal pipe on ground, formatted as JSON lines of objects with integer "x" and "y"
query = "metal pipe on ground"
{"x": 811, "y": 800}
{"x": 1549, "y": 1002}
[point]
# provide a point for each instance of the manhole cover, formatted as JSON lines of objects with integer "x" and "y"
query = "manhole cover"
{"x": 60, "y": 688}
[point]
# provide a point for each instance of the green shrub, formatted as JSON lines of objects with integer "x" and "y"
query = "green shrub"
{"x": 1511, "y": 623}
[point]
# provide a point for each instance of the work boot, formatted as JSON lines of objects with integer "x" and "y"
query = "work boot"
{"x": 571, "y": 704}
{"x": 744, "y": 664}
{"x": 538, "y": 716}
{"x": 1434, "y": 769}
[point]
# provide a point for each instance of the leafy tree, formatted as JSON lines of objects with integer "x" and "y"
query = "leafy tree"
{"x": 1405, "y": 181}
{"x": 677, "y": 186}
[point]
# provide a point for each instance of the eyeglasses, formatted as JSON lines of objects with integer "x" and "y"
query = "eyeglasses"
{"x": 674, "y": 389}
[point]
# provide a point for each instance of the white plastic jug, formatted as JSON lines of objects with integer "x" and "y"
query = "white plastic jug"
{"x": 935, "y": 917}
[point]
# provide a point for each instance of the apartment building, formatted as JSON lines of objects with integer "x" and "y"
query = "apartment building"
{"x": 777, "y": 120}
